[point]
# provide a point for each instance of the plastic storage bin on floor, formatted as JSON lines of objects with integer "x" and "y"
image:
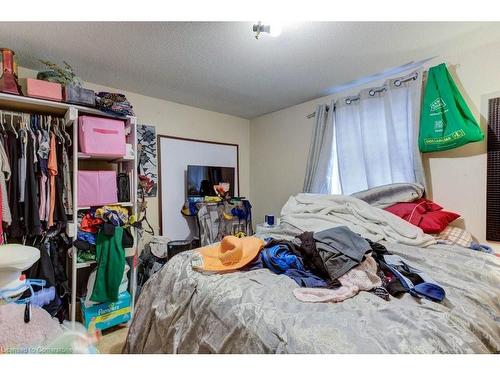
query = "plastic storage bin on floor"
{"x": 96, "y": 188}
{"x": 107, "y": 315}
{"x": 101, "y": 136}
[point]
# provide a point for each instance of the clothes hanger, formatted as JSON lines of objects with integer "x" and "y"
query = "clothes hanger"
{"x": 22, "y": 127}
{"x": 33, "y": 124}
{"x": 2, "y": 121}
{"x": 58, "y": 131}
{"x": 27, "y": 122}
{"x": 68, "y": 137}
{"x": 12, "y": 125}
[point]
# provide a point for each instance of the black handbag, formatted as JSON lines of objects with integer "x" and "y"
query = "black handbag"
{"x": 123, "y": 185}
{"x": 127, "y": 239}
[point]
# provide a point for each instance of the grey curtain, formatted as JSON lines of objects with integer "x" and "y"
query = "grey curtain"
{"x": 320, "y": 163}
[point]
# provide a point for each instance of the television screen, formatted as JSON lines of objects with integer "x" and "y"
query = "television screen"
{"x": 201, "y": 180}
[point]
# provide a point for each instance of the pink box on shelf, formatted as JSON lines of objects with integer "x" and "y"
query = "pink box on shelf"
{"x": 101, "y": 136}
{"x": 96, "y": 188}
{"x": 36, "y": 88}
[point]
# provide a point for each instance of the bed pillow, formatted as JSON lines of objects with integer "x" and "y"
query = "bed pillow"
{"x": 386, "y": 195}
{"x": 413, "y": 211}
{"x": 425, "y": 214}
{"x": 410, "y": 212}
{"x": 455, "y": 236}
{"x": 437, "y": 221}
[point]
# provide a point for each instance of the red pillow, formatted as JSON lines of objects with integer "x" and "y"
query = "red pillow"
{"x": 437, "y": 221}
{"x": 430, "y": 205}
{"x": 425, "y": 214}
{"x": 404, "y": 210}
{"x": 410, "y": 211}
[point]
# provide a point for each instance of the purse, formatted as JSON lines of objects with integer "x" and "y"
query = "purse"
{"x": 123, "y": 186}
{"x": 127, "y": 238}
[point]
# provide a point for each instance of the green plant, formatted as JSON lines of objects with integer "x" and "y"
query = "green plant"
{"x": 63, "y": 75}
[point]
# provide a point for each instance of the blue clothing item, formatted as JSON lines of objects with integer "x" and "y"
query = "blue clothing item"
{"x": 481, "y": 247}
{"x": 193, "y": 210}
{"x": 239, "y": 213}
{"x": 86, "y": 236}
{"x": 255, "y": 264}
{"x": 248, "y": 210}
{"x": 427, "y": 287}
{"x": 281, "y": 260}
{"x": 306, "y": 279}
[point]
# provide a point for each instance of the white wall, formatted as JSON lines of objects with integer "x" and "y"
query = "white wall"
{"x": 457, "y": 178}
{"x": 189, "y": 122}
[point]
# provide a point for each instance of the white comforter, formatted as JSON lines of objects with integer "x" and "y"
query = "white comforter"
{"x": 316, "y": 212}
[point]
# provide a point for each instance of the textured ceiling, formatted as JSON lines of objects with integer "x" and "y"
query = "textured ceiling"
{"x": 220, "y": 66}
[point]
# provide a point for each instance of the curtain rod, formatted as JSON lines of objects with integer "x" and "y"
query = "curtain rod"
{"x": 372, "y": 92}
{"x": 311, "y": 115}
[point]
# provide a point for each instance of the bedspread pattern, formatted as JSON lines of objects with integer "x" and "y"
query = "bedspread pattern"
{"x": 183, "y": 311}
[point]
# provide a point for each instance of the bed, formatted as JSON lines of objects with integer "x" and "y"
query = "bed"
{"x": 184, "y": 311}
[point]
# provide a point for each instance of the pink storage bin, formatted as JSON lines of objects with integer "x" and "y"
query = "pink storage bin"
{"x": 101, "y": 136}
{"x": 36, "y": 88}
{"x": 96, "y": 188}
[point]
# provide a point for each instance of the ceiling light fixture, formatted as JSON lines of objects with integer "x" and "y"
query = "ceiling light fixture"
{"x": 274, "y": 30}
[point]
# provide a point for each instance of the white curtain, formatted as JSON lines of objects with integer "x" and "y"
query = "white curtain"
{"x": 321, "y": 171}
{"x": 376, "y": 135}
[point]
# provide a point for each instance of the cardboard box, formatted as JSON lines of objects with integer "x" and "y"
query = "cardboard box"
{"x": 36, "y": 88}
{"x": 79, "y": 95}
{"x": 107, "y": 315}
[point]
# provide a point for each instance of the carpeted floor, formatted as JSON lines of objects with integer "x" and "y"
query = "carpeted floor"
{"x": 113, "y": 340}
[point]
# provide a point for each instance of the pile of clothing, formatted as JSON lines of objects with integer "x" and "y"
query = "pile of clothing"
{"x": 102, "y": 237}
{"x": 114, "y": 103}
{"x": 329, "y": 266}
{"x": 217, "y": 218}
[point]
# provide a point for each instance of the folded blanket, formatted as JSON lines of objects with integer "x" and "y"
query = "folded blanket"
{"x": 317, "y": 212}
{"x": 386, "y": 195}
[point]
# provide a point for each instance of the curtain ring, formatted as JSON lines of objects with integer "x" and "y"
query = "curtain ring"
{"x": 397, "y": 83}
{"x": 415, "y": 76}
{"x": 348, "y": 101}
{"x": 371, "y": 92}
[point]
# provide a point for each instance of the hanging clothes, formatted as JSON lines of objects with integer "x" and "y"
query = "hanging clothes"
{"x": 35, "y": 178}
{"x": 31, "y": 214}
{"x": 15, "y": 229}
{"x": 67, "y": 192}
{"x": 59, "y": 210}
{"x": 22, "y": 163}
{"x": 36, "y": 197}
{"x": 110, "y": 257}
{"x": 52, "y": 166}
{"x": 4, "y": 177}
{"x": 43, "y": 154}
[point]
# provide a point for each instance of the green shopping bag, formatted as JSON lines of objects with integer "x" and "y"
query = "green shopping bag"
{"x": 446, "y": 121}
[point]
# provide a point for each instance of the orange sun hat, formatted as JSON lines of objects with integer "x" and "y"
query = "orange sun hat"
{"x": 231, "y": 254}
